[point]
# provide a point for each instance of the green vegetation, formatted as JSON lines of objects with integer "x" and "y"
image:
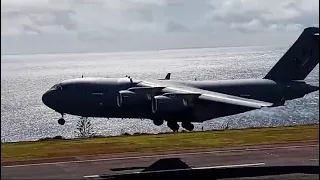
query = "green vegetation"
{"x": 160, "y": 142}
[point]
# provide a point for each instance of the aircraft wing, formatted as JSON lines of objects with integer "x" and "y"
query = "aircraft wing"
{"x": 210, "y": 96}
{"x": 234, "y": 100}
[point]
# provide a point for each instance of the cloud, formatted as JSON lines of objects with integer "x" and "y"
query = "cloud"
{"x": 265, "y": 15}
{"x": 103, "y": 25}
{"x": 176, "y": 27}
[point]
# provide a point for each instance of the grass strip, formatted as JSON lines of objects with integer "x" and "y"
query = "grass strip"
{"x": 154, "y": 143}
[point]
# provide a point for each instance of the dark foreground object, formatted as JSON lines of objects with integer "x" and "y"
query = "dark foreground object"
{"x": 219, "y": 173}
{"x": 174, "y": 167}
{"x": 298, "y": 156}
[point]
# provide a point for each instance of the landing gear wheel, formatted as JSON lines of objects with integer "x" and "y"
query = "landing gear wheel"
{"x": 174, "y": 126}
{"x": 191, "y": 127}
{"x": 61, "y": 121}
{"x": 188, "y": 126}
{"x": 158, "y": 122}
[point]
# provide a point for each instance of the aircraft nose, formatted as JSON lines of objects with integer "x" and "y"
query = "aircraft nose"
{"x": 48, "y": 98}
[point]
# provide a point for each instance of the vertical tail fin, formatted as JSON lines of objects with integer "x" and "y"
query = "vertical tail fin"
{"x": 168, "y": 76}
{"x": 299, "y": 60}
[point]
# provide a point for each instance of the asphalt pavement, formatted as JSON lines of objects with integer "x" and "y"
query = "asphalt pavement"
{"x": 306, "y": 153}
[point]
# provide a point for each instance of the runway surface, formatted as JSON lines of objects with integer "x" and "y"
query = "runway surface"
{"x": 306, "y": 153}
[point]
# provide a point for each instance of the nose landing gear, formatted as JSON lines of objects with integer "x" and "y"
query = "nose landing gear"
{"x": 61, "y": 121}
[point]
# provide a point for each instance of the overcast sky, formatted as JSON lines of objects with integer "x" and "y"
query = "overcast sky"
{"x": 43, "y": 26}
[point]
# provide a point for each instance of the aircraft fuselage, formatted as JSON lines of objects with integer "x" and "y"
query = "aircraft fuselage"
{"x": 97, "y": 97}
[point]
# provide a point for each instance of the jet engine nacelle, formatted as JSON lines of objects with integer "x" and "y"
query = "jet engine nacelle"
{"x": 126, "y": 97}
{"x": 136, "y": 95}
{"x": 168, "y": 104}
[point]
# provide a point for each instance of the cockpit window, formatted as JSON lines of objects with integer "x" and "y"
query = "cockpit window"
{"x": 56, "y": 87}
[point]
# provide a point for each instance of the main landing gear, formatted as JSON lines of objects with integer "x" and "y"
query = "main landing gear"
{"x": 187, "y": 125}
{"x": 174, "y": 126}
{"x": 158, "y": 122}
{"x": 61, "y": 121}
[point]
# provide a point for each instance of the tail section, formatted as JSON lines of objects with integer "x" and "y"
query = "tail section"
{"x": 299, "y": 60}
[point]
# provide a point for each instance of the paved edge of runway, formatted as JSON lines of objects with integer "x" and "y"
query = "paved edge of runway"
{"x": 108, "y": 157}
{"x": 209, "y": 167}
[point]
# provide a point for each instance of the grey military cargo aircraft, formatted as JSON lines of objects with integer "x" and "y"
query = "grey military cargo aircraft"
{"x": 189, "y": 101}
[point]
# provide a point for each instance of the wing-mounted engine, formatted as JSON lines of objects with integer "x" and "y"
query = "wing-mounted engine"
{"x": 136, "y": 95}
{"x": 171, "y": 102}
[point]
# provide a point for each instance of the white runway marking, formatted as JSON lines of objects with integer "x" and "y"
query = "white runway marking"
{"x": 314, "y": 159}
{"x": 91, "y": 176}
{"x": 212, "y": 167}
{"x": 229, "y": 166}
{"x": 165, "y": 155}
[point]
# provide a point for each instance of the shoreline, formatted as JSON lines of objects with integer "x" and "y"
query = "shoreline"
{"x": 125, "y": 134}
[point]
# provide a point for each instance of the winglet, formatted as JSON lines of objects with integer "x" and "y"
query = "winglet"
{"x": 167, "y": 77}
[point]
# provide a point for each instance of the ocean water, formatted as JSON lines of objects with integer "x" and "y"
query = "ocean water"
{"x": 24, "y": 78}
